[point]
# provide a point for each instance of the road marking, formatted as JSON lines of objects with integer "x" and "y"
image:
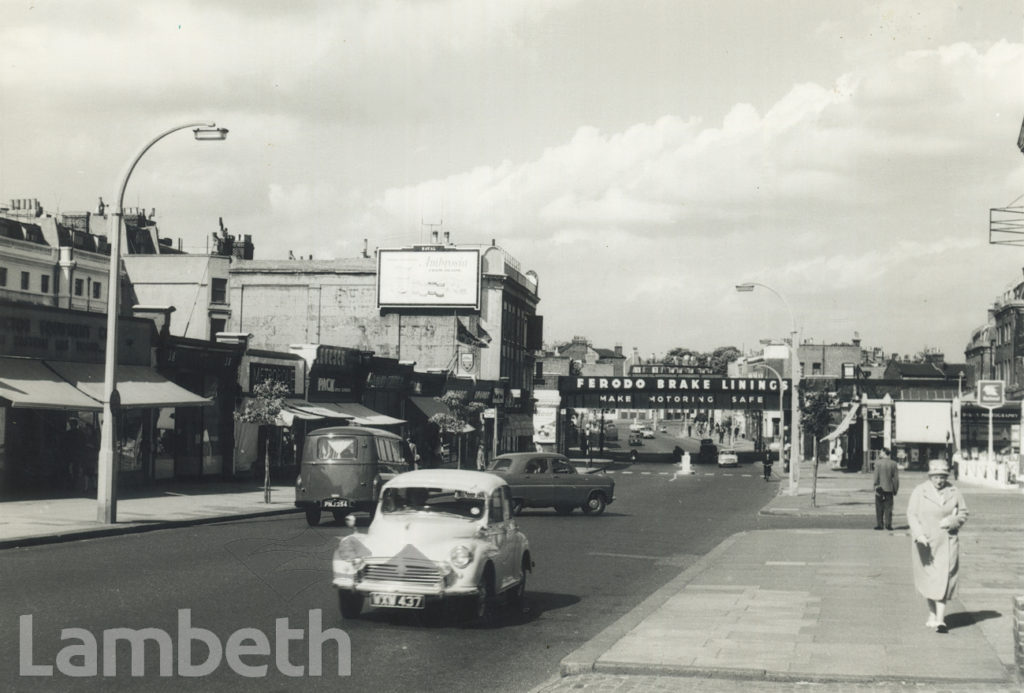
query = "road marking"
{"x": 805, "y": 563}
{"x": 645, "y": 473}
{"x": 627, "y": 555}
{"x": 627, "y": 472}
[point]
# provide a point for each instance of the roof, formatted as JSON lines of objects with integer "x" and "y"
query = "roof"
{"x": 351, "y": 430}
{"x": 461, "y": 479}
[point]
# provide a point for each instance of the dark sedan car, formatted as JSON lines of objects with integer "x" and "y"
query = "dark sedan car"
{"x": 549, "y": 480}
{"x": 708, "y": 453}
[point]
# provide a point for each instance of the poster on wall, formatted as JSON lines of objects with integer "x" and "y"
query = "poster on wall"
{"x": 428, "y": 278}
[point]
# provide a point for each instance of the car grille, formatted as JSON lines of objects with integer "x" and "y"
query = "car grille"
{"x": 413, "y": 573}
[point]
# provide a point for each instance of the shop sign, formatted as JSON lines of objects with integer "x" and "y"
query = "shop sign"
{"x": 189, "y": 358}
{"x": 671, "y": 392}
{"x": 991, "y": 393}
{"x": 40, "y": 332}
{"x": 969, "y": 414}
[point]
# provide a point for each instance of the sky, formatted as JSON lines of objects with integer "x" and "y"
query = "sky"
{"x": 642, "y": 158}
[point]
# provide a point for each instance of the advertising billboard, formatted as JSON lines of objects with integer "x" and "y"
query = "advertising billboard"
{"x": 428, "y": 278}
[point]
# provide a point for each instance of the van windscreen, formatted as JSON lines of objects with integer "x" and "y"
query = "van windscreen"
{"x": 337, "y": 448}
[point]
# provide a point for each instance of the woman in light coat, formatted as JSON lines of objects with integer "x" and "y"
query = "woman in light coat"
{"x": 935, "y": 513}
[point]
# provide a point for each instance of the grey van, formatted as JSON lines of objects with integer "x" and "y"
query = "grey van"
{"x": 343, "y": 467}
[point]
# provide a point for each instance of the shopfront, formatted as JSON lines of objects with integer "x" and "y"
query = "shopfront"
{"x": 198, "y": 442}
{"x": 253, "y": 443}
{"x": 51, "y": 389}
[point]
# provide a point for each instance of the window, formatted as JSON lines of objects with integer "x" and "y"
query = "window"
{"x": 79, "y": 287}
{"x": 562, "y": 467}
{"x": 219, "y": 291}
{"x": 3, "y": 276}
{"x": 44, "y": 284}
{"x": 538, "y": 466}
{"x": 815, "y": 368}
{"x": 96, "y": 289}
{"x": 24, "y": 281}
{"x": 216, "y": 325}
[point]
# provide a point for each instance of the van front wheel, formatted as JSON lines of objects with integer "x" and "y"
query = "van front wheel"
{"x": 313, "y": 515}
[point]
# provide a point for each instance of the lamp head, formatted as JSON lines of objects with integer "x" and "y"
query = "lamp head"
{"x": 744, "y": 288}
{"x": 210, "y": 133}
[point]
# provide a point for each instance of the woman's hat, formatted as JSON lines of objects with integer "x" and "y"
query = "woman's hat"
{"x": 937, "y": 467}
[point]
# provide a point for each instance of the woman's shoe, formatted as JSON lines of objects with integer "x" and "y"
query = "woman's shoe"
{"x": 941, "y": 628}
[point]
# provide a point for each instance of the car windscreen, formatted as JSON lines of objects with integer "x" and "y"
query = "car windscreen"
{"x": 501, "y": 464}
{"x": 331, "y": 449}
{"x": 433, "y": 500}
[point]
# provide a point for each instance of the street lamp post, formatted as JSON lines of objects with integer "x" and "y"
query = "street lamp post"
{"x": 794, "y": 450}
{"x": 106, "y": 486}
{"x": 782, "y": 411}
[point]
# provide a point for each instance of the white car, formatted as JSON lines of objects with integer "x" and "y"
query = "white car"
{"x": 438, "y": 534}
{"x": 728, "y": 458}
{"x": 648, "y": 433}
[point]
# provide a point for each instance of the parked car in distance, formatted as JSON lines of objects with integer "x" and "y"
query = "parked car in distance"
{"x": 438, "y": 535}
{"x": 342, "y": 468}
{"x": 611, "y": 431}
{"x": 647, "y": 432}
{"x": 636, "y": 439}
{"x": 708, "y": 452}
{"x": 549, "y": 480}
{"x": 664, "y": 428}
{"x": 728, "y": 458}
{"x": 636, "y": 427}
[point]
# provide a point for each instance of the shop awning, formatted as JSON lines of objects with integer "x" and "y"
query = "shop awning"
{"x": 352, "y": 412}
{"x": 923, "y": 422}
{"x": 28, "y": 383}
{"x": 430, "y": 406}
{"x": 140, "y": 387}
{"x": 301, "y": 409}
{"x": 364, "y": 416}
{"x": 844, "y": 424}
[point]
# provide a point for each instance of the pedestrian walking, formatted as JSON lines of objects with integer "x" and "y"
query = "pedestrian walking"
{"x": 935, "y": 513}
{"x": 767, "y": 464}
{"x": 886, "y": 481}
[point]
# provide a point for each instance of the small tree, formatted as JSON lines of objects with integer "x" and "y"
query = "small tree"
{"x": 461, "y": 413}
{"x": 816, "y": 419}
{"x": 263, "y": 409}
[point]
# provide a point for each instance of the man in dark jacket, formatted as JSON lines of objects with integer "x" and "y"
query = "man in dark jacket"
{"x": 887, "y": 485}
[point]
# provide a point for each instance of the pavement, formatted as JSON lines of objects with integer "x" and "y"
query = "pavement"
{"x": 821, "y": 609}
{"x": 766, "y": 610}
{"x": 46, "y": 521}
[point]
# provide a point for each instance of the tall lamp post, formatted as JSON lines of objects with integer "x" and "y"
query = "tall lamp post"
{"x": 782, "y": 411}
{"x": 106, "y": 486}
{"x": 794, "y": 450}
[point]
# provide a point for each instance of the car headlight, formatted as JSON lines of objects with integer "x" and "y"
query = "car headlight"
{"x": 461, "y": 556}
